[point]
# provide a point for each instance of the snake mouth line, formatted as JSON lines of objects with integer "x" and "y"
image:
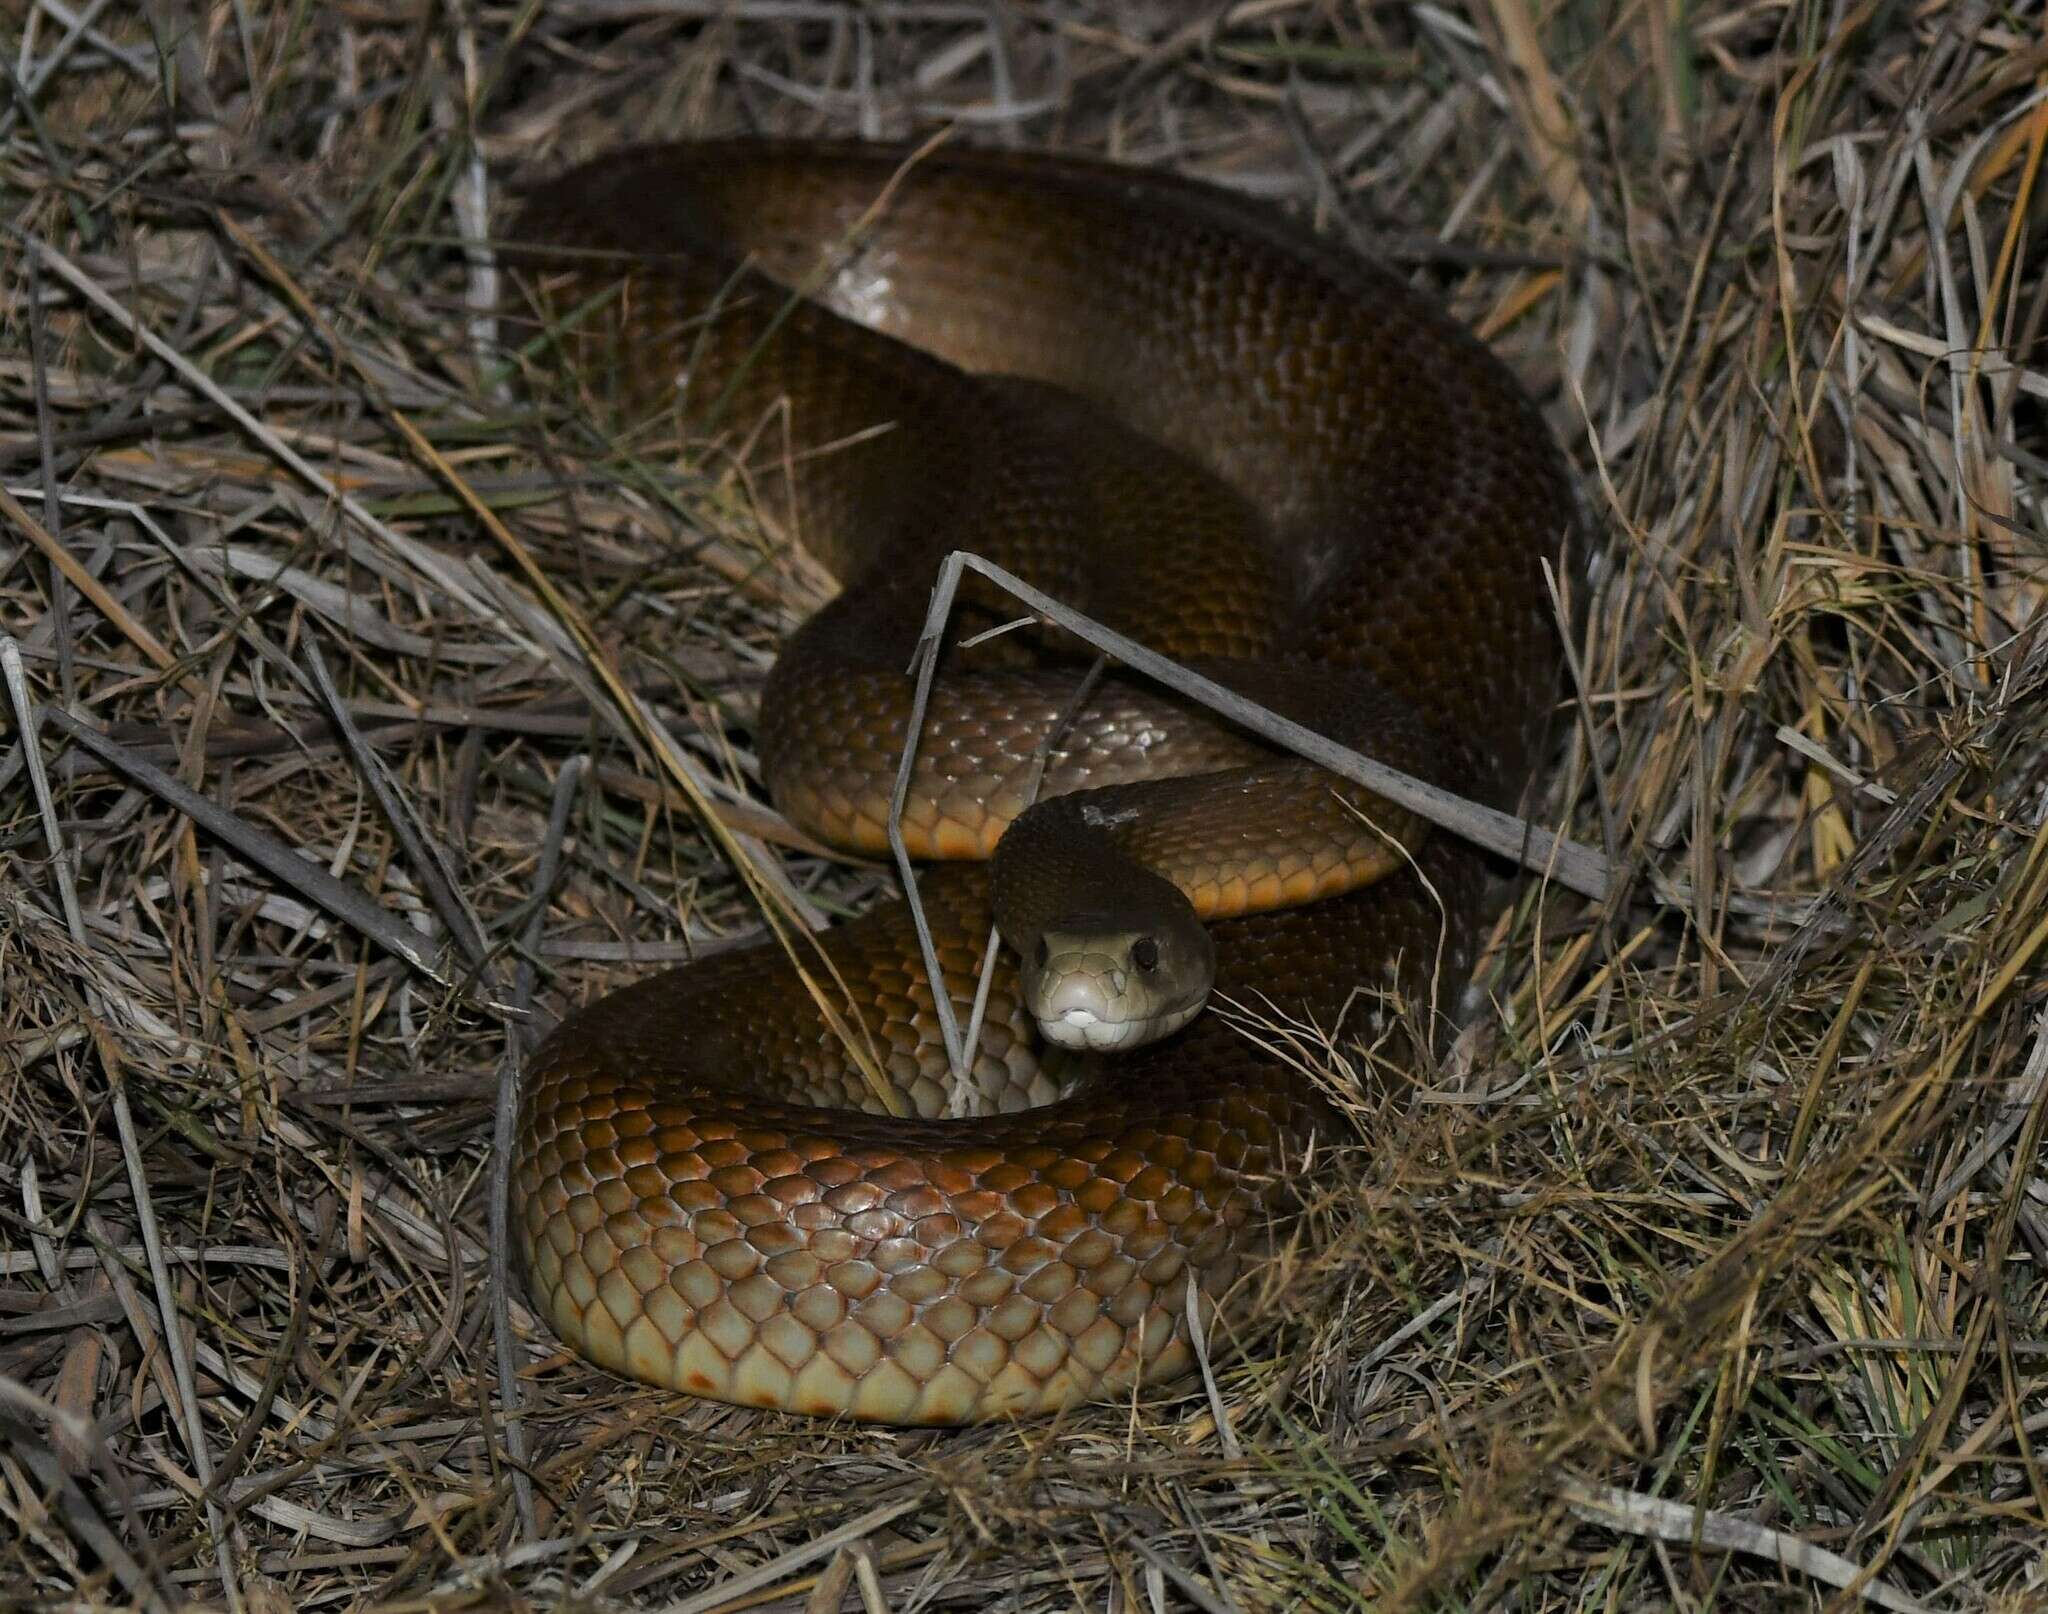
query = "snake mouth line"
{"x": 1084, "y": 1030}
{"x": 1103, "y": 989}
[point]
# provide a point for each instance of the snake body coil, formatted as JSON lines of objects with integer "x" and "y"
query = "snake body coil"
{"x": 1182, "y": 415}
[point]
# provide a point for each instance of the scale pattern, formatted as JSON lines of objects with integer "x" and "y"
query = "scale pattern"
{"x": 1184, "y": 416}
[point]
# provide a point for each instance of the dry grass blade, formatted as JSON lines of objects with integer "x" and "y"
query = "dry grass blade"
{"x": 224, "y": 1543}
{"x": 1650, "y": 1515}
{"x": 778, "y": 1568}
{"x": 84, "y": 581}
{"x": 277, "y": 859}
{"x": 25, "y": 725}
{"x": 1708, "y": 1268}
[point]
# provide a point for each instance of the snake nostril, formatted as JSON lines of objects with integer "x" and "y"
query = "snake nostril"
{"x": 1145, "y": 954}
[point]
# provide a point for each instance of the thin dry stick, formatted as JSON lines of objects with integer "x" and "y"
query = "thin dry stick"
{"x": 77, "y": 1510}
{"x": 315, "y": 884}
{"x": 421, "y": 851}
{"x": 39, "y": 781}
{"x": 1198, "y": 1337}
{"x": 985, "y": 977}
{"x": 960, "y": 1051}
{"x": 171, "y": 1326}
{"x": 1579, "y": 867}
{"x": 782, "y": 1564}
{"x": 563, "y": 801}
{"x": 1638, "y": 1514}
{"x": 87, "y": 584}
{"x": 1213, "y": 1598}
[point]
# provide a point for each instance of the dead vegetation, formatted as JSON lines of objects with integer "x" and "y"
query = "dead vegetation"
{"x": 1707, "y": 1273}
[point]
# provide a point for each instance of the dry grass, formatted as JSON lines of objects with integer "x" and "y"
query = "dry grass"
{"x": 1719, "y": 1242}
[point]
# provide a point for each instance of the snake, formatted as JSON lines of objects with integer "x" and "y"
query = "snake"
{"x": 1201, "y": 423}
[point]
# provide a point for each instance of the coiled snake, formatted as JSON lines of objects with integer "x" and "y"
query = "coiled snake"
{"x": 1185, "y": 416}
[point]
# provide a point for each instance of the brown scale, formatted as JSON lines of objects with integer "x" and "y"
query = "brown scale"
{"x": 1182, "y": 415}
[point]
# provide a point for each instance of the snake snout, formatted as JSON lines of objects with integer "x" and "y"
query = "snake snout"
{"x": 1092, "y": 989}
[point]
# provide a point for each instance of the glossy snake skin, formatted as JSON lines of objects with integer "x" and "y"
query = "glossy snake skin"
{"x": 1184, "y": 415}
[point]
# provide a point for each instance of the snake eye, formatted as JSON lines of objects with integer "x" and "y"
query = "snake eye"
{"x": 1145, "y": 954}
{"x": 1043, "y": 953}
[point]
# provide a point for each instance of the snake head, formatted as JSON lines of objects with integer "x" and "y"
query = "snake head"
{"x": 1102, "y": 982}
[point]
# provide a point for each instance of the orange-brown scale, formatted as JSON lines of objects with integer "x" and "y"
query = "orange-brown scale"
{"x": 1235, "y": 442}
